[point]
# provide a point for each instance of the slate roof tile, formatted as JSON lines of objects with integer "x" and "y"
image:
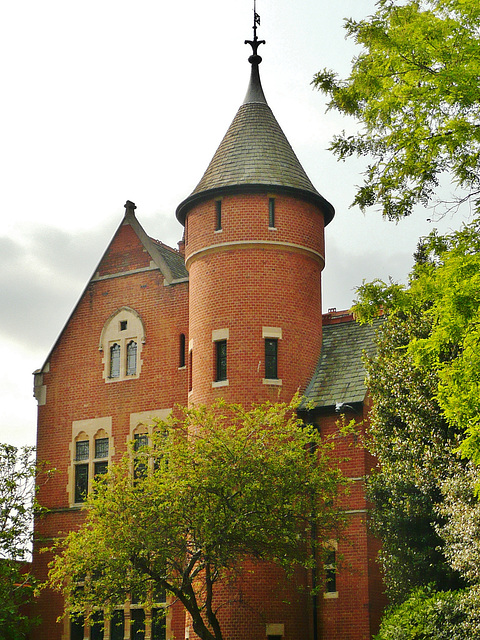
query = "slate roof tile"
{"x": 340, "y": 373}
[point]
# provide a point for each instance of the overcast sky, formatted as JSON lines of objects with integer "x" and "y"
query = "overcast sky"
{"x": 104, "y": 101}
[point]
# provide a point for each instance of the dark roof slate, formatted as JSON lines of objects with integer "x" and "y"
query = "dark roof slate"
{"x": 174, "y": 260}
{"x": 255, "y": 151}
{"x": 254, "y": 155}
{"x": 340, "y": 374}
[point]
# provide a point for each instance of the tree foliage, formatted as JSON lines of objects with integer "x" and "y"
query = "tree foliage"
{"x": 461, "y": 528}
{"x": 445, "y": 283}
{"x": 17, "y": 487}
{"x": 216, "y": 486}
{"x": 428, "y": 367}
{"x": 415, "y": 449}
{"x": 414, "y": 89}
{"x": 431, "y": 615}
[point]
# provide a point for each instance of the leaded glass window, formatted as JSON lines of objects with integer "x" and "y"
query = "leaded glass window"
{"x": 331, "y": 572}
{"x": 131, "y": 358}
{"x": 115, "y": 361}
{"x": 158, "y": 624}
{"x": 82, "y": 450}
{"x": 101, "y": 468}
{"x": 117, "y": 625}
{"x": 140, "y": 467}
{"x": 101, "y": 448}
{"x": 221, "y": 360}
{"x": 137, "y": 630}
{"x": 97, "y": 626}
{"x": 81, "y": 482}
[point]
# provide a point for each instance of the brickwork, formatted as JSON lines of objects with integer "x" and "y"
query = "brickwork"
{"x": 76, "y": 388}
{"x": 244, "y": 287}
{"x": 250, "y": 278}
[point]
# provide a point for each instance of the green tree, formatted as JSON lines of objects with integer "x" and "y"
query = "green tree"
{"x": 415, "y": 448}
{"x": 431, "y": 615}
{"x": 461, "y": 529}
{"x": 17, "y": 487}
{"x": 445, "y": 282}
{"x": 216, "y": 486}
{"x": 414, "y": 90}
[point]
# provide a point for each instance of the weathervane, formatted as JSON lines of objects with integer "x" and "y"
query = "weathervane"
{"x": 255, "y": 43}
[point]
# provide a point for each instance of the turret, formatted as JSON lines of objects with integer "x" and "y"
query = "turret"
{"x": 254, "y": 249}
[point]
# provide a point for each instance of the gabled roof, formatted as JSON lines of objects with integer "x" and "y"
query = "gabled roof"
{"x": 167, "y": 260}
{"x": 340, "y": 374}
{"x": 254, "y": 155}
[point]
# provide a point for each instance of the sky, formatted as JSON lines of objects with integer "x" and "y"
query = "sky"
{"x": 106, "y": 101}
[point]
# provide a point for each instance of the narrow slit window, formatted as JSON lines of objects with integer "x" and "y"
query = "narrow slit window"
{"x": 271, "y": 358}
{"x": 218, "y": 215}
{"x": 220, "y": 360}
{"x": 331, "y": 572}
{"x": 123, "y": 325}
{"x": 131, "y": 358}
{"x": 115, "y": 361}
{"x": 271, "y": 212}
{"x": 181, "y": 362}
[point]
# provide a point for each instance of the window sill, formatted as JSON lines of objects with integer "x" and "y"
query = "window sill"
{"x": 275, "y": 382}
{"x": 272, "y": 229}
{"x": 220, "y": 383}
{"x": 331, "y": 595}
{"x": 182, "y": 368}
{"x": 217, "y": 230}
{"x": 122, "y": 379}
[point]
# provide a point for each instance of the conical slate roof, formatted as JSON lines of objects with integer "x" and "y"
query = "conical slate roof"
{"x": 254, "y": 155}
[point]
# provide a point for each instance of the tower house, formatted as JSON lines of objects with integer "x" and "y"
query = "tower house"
{"x": 254, "y": 250}
{"x": 236, "y": 315}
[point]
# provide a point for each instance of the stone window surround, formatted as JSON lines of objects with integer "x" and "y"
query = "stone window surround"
{"x": 219, "y": 335}
{"x": 90, "y": 430}
{"x": 127, "y": 608}
{"x": 144, "y": 423}
{"x": 272, "y": 332}
{"x": 113, "y": 334}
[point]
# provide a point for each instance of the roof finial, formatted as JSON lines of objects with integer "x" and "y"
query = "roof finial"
{"x": 255, "y": 43}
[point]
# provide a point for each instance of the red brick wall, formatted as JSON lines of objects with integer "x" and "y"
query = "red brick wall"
{"x": 244, "y": 287}
{"x": 76, "y": 389}
{"x": 355, "y": 614}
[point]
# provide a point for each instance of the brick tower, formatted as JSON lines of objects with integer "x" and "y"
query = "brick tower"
{"x": 254, "y": 250}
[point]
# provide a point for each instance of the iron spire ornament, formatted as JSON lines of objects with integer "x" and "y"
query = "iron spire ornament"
{"x": 255, "y": 43}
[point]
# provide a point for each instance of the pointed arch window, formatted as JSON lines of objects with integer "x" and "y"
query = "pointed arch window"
{"x": 91, "y": 455}
{"x": 115, "y": 360}
{"x": 122, "y": 339}
{"x": 131, "y": 358}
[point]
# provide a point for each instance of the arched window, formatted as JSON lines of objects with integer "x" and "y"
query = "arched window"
{"x": 122, "y": 339}
{"x": 131, "y": 358}
{"x": 115, "y": 360}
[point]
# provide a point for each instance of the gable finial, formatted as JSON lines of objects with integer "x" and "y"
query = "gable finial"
{"x": 255, "y": 43}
